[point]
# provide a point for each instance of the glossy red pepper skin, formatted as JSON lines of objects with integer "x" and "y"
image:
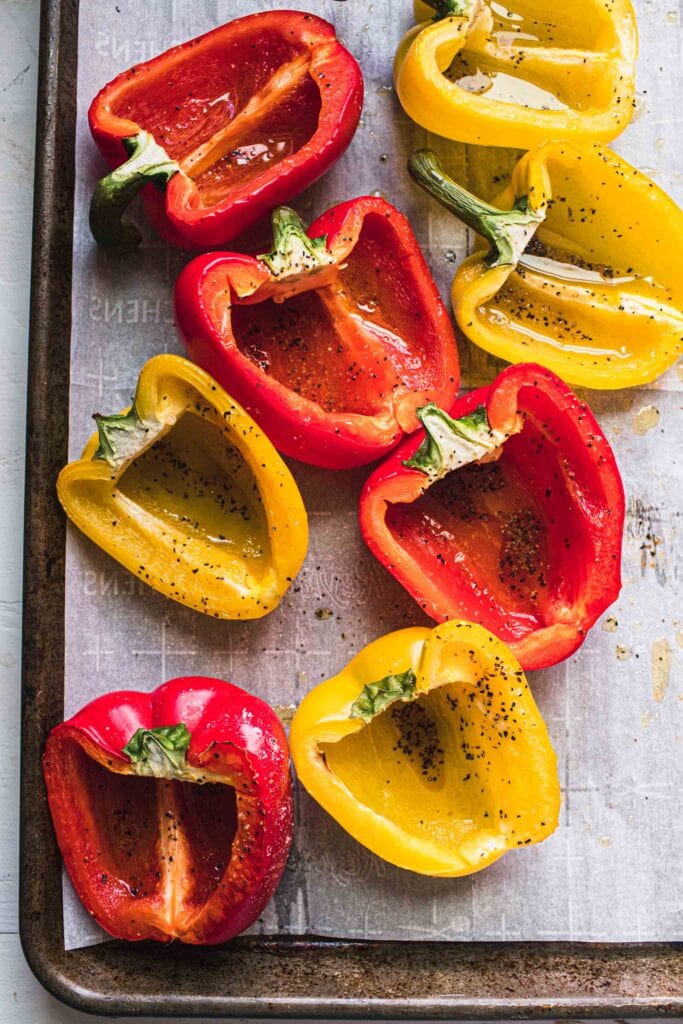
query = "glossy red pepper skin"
{"x": 157, "y": 858}
{"x": 192, "y": 91}
{"x": 347, "y": 351}
{"x": 529, "y": 545}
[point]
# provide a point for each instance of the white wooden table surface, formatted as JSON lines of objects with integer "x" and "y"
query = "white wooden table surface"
{"x": 21, "y": 997}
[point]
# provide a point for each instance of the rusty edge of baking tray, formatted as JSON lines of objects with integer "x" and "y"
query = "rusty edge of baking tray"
{"x": 255, "y": 977}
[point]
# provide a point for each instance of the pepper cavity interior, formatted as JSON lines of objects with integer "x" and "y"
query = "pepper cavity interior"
{"x": 438, "y": 767}
{"x": 225, "y": 119}
{"x": 186, "y": 492}
{"x": 428, "y": 748}
{"x": 493, "y": 61}
{"x": 484, "y": 521}
{"x": 502, "y": 533}
{"x": 167, "y": 843}
{"x": 200, "y": 488}
{"x": 427, "y": 765}
{"x": 594, "y": 282}
{"x": 509, "y": 511}
{"x": 172, "y": 808}
{"x": 353, "y": 341}
{"x": 333, "y": 339}
{"x": 514, "y": 76}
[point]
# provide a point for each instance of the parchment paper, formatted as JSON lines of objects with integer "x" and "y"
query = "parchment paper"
{"x": 612, "y": 870}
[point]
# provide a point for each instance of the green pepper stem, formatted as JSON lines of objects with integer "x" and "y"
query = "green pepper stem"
{"x": 147, "y": 162}
{"x": 508, "y": 231}
{"x": 376, "y": 697}
{"x": 123, "y": 436}
{"x": 450, "y": 444}
{"x": 160, "y": 753}
{"x": 449, "y": 8}
{"x": 294, "y": 253}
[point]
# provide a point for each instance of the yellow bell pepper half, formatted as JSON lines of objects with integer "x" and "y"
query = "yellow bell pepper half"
{"x": 580, "y": 275}
{"x": 185, "y": 491}
{"x": 429, "y": 750}
{"x": 520, "y": 73}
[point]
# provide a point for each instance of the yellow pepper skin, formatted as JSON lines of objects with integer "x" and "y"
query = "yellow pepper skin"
{"x": 583, "y": 56}
{"x": 580, "y": 275}
{"x": 429, "y": 750}
{"x": 187, "y": 493}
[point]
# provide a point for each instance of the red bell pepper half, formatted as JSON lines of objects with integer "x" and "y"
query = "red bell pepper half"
{"x": 172, "y": 809}
{"x": 331, "y": 341}
{"x": 226, "y": 126}
{"x": 508, "y": 511}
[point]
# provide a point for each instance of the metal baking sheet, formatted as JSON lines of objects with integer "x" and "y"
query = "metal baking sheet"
{"x": 291, "y": 976}
{"x": 611, "y": 710}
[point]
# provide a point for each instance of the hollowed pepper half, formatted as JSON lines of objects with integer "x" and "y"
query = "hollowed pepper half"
{"x": 578, "y": 275}
{"x": 332, "y": 340}
{"x": 223, "y": 128}
{"x": 429, "y": 750}
{"x": 172, "y": 809}
{"x": 508, "y": 511}
{"x": 519, "y": 73}
{"x": 185, "y": 491}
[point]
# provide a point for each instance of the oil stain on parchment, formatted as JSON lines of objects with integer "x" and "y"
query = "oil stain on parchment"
{"x": 645, "y": 419}
{"x": 660, "y": 667}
